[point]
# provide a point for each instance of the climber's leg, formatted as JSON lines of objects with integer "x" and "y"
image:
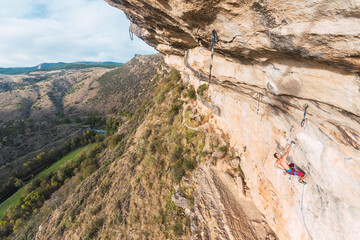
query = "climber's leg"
{"x": 302, "y": 176}
{"x": 292, "y": 171}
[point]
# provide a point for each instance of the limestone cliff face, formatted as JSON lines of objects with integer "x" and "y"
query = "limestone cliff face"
{"x": 271, "y": 59}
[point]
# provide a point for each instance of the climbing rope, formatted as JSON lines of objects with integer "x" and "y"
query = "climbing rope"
{"x": 302, "y": 213}
{"x": 213, "y": 37}
{"x": 303, "y": 121}
{"x": 257, "y": 110}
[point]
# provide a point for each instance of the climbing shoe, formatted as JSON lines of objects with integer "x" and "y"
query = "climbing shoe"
{"x": 303, "y": 182}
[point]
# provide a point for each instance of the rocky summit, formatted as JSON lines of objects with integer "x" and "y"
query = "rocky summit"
{"x": 275, "y": 64}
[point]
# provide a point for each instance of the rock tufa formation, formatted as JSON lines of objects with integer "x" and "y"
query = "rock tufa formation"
{"x": 273, "y": 58}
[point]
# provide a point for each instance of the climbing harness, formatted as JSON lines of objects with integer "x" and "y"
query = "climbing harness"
{"x": 257, "y": 110}
{"x": 289, "y": 171}
{"x": 303, "y": 121}
{"x": 302, "y": 213}
{"x": 213, "y": 38}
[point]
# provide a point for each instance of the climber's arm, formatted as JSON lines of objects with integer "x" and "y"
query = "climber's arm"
{"x": 288, "y": 151}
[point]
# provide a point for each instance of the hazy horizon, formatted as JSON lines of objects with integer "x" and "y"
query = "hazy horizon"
{"x": 68, "y": 63}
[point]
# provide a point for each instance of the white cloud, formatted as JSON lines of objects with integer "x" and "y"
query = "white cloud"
{"x": 36, "y": 31}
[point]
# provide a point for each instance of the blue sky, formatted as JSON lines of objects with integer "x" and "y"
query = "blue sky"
{"x": 37, "y": 31}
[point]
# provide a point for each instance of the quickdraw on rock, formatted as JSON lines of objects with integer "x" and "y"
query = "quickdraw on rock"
{"x": 304, "y": 119}
{"x": 131, "y": 34}
{"x": 213, "y": 38}
{"x": 257, "y": 110}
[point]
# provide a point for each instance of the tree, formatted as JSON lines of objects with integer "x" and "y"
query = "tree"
{"x": 18, "y": 182}
{"x": 67, "y": 120}
{"x": 66, "y": 146}
{"x": 77, "y": 120}
{"x": 75, "y": 142}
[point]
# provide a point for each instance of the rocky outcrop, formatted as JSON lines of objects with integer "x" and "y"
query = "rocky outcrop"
{"x": 222, "y": 210}
{"x": 253, "y": 30}
{"x": 273, "y": 58}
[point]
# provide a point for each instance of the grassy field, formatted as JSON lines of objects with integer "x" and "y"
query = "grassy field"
{"x": 15, "y": 198}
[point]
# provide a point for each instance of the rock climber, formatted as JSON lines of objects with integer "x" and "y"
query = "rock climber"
{"x": 282, "y": 164}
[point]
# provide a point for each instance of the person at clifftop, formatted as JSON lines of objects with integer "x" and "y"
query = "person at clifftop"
{"x": 282, "y": 163}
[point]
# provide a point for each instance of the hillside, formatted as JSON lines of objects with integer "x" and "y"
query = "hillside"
{"x": 50, "y": 94}
{"x": 117, "y": 89}
{"x": 43, "y": 110}
{"x": 38, "y": 107}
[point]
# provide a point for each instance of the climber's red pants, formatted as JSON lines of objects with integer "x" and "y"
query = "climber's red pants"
{"x": 292, "y": 171}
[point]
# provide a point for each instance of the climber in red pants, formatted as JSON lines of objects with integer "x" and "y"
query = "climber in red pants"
{"x": 289, "y": 168}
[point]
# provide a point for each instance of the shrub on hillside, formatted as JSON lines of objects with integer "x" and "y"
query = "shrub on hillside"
{"x": 93, "y": 228}
{"x": 223, "y": 149}
{"x": 190, "y": 164}
{"x": 114, "y": 140}
{"x": 178, "y": 228}
{"x": 201, "y": 89}
{"x": 178, "y": 171}
{"x": 175, "y": 108}
{"x": 191, "y": 93}
{"x": 174, "y": 75}
{"x": 177, "y": 154}
{"x": 157, "y": 146}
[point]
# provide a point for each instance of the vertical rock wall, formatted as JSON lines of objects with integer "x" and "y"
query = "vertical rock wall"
{"x": 271, "y": 59}
{"x": 327, "y": 146}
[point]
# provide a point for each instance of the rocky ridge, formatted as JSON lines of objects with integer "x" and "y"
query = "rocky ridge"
{"x": 273, "y": 58}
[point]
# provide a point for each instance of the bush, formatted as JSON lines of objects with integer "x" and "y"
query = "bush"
{"x": 174, "y": 75}
{"x": 77, "y": 120}
{"x": 147, "y": 133}
{"x": 178, "y": 228}
{"x": 191, "y": 93}
{"x": 115, "y": 140}
{"x": 223, "y": 149}
{"x": 157, "y": 146}
{"x": 178, "y": 172}
{"x": 180, "y": 88}
{"x": 175, "y": 108}
{"x": 189, "y": 134}
{"x": 177, "y": 154}
{"x": 201, "y": 89}
{"x": 190, "y": 164}
{"x": 93, "y": 228}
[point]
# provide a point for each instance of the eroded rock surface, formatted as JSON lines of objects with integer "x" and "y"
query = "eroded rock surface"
{"x": 273, "y": 58}
{"x": 222, "y": 210}
{"x": 257, "y": 30}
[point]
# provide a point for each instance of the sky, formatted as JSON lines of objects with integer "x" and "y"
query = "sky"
{"x": 38, "y": 31}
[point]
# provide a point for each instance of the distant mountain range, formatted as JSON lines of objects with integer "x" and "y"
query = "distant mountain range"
{"x": 57, "y": 66}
